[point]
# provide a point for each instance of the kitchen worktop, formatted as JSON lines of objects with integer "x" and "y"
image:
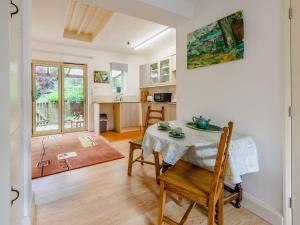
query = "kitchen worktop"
{"x": 118, "y": 102}
{"x": 114, "y": 102}
{"x": 169, "y": 103}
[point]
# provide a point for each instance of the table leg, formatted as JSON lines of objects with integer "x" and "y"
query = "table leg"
{"x": 238, "y": 188}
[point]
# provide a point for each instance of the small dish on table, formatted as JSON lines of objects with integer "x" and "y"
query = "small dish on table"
{"x": 163, "y": 126}
{"x": 177, "y": 133}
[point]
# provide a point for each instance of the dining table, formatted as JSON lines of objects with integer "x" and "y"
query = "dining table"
{"x": 199, "y": 147}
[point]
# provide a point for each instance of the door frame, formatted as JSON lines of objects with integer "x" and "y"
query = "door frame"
{"x": 5, "y": 158}
{"x": 61, "y": 66}
{"x": 85, "y": 86}
{"x": 287, "y": 78}
{"x": 33, "y": 105}
{"x": 295, "y": 85}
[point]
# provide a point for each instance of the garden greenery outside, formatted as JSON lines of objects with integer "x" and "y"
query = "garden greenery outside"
{"x": 47, "y": 91}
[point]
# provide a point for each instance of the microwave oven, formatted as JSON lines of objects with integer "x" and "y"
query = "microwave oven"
{"x": 162, "y": 97}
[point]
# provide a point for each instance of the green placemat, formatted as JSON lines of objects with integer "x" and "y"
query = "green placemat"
{"x": 209, "y": 128}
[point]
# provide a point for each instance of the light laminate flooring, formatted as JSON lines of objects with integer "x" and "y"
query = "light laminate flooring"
{"x": 104, "y": 195}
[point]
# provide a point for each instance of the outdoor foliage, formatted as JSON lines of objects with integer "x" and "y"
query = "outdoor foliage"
{"x": 218, "y": 42}
{"x": 47, "y": 89}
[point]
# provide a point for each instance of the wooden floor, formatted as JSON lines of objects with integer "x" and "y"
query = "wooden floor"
{"x": 104, "y": 195}
{"x": 113, "y": 136}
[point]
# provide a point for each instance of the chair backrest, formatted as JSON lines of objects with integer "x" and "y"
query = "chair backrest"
{"x": 153, "y": 116}
{"x": 221, "y": 163}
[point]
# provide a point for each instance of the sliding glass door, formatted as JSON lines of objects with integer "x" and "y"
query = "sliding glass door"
{"x": 74, "y": 110}
{"x": 45, "y": 98}
{"x": 58, "y": 98}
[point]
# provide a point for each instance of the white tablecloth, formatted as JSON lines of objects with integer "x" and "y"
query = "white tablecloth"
{"x": 200, "y": 148}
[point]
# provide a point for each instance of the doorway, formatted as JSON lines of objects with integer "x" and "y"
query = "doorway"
{"x": 295, "y": 69}
{"x": 59, "y": 94}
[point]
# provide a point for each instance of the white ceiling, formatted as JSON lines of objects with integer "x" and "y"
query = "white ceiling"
{"x": 48, "y": 21}
{"x": 184, "y": 8}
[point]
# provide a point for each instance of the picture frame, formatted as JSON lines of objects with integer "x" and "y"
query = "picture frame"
{"x": 101, "y": 77}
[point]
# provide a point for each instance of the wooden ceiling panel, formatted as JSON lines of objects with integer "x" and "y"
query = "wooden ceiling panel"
{"x": 84, "y": 22}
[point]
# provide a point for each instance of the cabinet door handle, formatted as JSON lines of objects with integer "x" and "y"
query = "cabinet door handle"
{"x": 18, "y": 195}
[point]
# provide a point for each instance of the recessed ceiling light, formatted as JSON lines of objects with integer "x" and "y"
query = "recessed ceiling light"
{"x": 152, "y": 38}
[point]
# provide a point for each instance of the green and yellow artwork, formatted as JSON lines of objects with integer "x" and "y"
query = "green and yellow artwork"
{"x": 101, "y": 77}
{"x": 219, "y": 42}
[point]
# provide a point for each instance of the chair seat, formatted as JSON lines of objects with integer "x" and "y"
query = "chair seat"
{"x": 189, "y": 181}
{"x": 137, "y": 141}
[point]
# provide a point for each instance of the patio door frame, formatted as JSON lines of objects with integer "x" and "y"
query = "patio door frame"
{"x": 84, "y": 67}
{"x": 61, "y": 104}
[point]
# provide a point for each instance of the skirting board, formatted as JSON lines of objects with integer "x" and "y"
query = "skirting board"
{"x": 31, "y": 220}
{"x": 261, "y": 209}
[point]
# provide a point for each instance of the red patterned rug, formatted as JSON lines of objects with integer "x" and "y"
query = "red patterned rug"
{"x": 59, "y": 153}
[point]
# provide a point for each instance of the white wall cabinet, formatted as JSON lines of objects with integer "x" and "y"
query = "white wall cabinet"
{"x": 159, "y": 73}
{"x": 173, "y": 63}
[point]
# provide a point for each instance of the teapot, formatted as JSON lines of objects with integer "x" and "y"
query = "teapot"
{"x": 201, "y": 122}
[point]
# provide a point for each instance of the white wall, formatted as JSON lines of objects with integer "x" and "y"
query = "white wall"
{"x": 169, "y": 50}
{"x": 250, "y": 92}
{"x": 96, "y": 60}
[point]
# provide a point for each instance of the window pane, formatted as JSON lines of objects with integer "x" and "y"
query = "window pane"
{"x": 46, "y": 98}
{"x": 73, "y": 98}
{"x": 117, "y": 81}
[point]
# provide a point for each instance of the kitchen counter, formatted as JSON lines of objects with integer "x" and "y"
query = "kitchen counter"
{"x": 117, "y": 102}
{"x": 167, "y": 103}
{"x": 114, "y": 102}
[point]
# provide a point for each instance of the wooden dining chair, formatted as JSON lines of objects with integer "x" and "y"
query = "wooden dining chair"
{"x": 198, "y": 185}
{"x": 153, "y": 116}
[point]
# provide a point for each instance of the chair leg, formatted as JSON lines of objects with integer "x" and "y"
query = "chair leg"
{"x": 187, "y": 213}
{"x": 220, "y": 215}
{"x": 180, "y": 201}
{"x": 162, "y": 203}
{"x": 130, "y": 159}
{"x": 157, "y": 166}
{"x": 142, "y": 157}
{"x": 211, "y": 215}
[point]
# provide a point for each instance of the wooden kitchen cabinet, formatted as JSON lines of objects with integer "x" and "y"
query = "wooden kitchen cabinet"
{"x": 127, "y": 117}
{"x": 170, "y": 110}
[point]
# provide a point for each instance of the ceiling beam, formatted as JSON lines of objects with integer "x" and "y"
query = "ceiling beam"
{"x": 89, "y": 25}
{"x": 73, "y": 16}
{"x": 84, "y": 19}
{"x": 101, "y": 23}
{"x": 80, "y": 37}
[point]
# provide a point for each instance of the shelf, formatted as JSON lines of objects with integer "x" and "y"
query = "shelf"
{"x": 158, "y": 85}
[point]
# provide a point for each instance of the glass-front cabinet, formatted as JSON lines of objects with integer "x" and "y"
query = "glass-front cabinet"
{"x": 159, "y": 73}
{"x": 154, "y": 76}
{"x": 164, "y": 73}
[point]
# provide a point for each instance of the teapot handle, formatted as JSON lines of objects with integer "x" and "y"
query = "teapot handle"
{"x": 195, "y": 119}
